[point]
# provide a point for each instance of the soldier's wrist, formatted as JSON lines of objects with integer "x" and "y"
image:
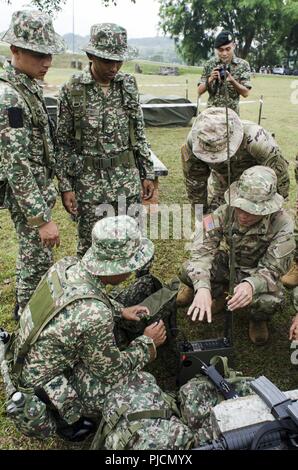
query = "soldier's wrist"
{"x": 40, "y": 219}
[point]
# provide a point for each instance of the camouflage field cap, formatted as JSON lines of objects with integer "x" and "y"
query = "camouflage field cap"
{"x": 34, "y": 31}
{"x": 109, "y": 41}
{"x": 117, "y": 247}
{"x": 256, "y": 191}
{"x": 209, "y": 135}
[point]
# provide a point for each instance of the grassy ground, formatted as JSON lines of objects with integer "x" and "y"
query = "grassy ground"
{"x": 279, "y": 116}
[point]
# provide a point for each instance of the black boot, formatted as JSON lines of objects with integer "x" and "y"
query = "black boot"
{"x": 15, "y": 314}
{"x": 77, "y": 431}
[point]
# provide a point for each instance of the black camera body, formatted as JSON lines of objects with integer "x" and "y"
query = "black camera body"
{"x": 221, "y": 69}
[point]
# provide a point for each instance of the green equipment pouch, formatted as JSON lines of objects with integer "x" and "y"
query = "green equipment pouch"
{"x": 161, "y": 304}
{"x": 32, "y": 417}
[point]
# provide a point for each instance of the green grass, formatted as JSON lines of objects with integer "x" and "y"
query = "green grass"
{"x": 273, "y": 360}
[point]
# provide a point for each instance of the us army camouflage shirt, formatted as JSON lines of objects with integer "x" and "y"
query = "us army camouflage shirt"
{"x": 239, "y": 69}
{"x": 105, "y": 127}
{"x": 258, "y": 147}
{"x": 22, "y": 157}
{"x": 263, "y": 251}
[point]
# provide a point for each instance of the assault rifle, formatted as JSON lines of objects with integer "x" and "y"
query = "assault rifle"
{"x": 282, "y": 433}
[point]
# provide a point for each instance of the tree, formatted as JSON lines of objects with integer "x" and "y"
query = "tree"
{"x": 193, "y": 23}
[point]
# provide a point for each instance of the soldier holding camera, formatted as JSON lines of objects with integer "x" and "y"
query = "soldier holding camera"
{"x": 237, "y": 73}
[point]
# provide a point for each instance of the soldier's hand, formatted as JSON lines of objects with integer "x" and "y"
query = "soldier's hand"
{"x": 214, "y": 76}
{"x": 157, "y": 332}
{"x": 293, "y": 336}
{"x": 69, "y": 202}
{"x": 242, "y": 297}
{"x": 49, "y": 234}
{"x": 201, "y": 305}
{"x": 135, "y": 313}
{"x": 148, "y": 189}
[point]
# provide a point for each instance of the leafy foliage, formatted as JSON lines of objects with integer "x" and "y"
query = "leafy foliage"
{"x": 51, "y": 6}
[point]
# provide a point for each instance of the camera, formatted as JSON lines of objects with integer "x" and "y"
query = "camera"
{"x": 221, "y": 70}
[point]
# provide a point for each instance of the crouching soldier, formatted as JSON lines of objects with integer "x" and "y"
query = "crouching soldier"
{"x": 264, "y": 248}
{"x": 64, "y": 358}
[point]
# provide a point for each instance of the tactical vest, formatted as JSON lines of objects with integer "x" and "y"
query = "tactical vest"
{"x": 53, "y": 294}
{"x": 78, "y": 99}
{"x": 33, "y": 104}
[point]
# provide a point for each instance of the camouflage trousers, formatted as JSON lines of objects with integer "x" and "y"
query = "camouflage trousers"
{"x": 263, "y": 306}
{"x": 203, "y": 185}
{"x": 33, "y": 259}
{"x": 89, "y": 213}
{"x": 102, "y": 193}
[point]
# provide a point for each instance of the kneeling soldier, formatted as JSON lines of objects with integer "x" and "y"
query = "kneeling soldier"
{"x": 64, "y": 358}
{"x": 264, "y": 248}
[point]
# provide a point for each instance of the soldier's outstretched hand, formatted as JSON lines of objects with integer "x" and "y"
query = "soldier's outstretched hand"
{"x": 156, "y": 331}
{"x": 135, "y": 313}
{"x": 242, "y": 297}
{"x": 201, "y": 305}
{"x": 293, "y": 336}
{"x": 49, "y": 234}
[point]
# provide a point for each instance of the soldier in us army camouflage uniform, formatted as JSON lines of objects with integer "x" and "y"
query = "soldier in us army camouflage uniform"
{"x": 264, "y": 249}
{"x": 101, "y": 130}
{"x": 27, "y": 158}
{"x": 73, "y": 360}
{"x": 206, "y": 150}
{"x": 238, "y": 75}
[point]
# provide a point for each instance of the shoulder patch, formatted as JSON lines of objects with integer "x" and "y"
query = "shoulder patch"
{"x": 15, "y": 117}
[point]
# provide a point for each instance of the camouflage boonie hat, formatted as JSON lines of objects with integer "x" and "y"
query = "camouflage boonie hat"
{"x": 209, "y": 135}
{"x": 109, "y": 41}
{"x": 117, "y": 247}
{"x": 34, "y": 31}
{"x": 256, "y": 191}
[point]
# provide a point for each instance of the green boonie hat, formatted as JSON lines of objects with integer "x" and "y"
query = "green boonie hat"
{"x": 256, "y": 191}
{"x": 209, "y": 135}
{"x": 34, "y": 31}
{"x": 109, "y": 41}
{"x": 117, "y": 247}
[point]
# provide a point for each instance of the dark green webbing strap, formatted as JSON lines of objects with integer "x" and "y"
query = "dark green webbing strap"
{"x": 79, "y": 109}
{"x": 108, "y": 425}
{"x": 125, "y": 158}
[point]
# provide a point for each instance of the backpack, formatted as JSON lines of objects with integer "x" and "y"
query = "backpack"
{"x": 138, "y": 415}
{"x": 160, "y": 298}
{"x": 199, "y": 395}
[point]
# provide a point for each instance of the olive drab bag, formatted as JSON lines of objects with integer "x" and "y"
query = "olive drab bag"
{"x": 160, "y": 299}
{"x": 138, "y": 415}
{"x": 199, "y": 395}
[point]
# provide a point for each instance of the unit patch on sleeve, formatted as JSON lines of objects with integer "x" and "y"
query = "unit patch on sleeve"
{"x": 15, "y": 117}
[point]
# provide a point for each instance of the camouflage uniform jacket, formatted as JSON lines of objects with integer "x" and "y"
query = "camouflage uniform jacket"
{"x": 105, "y": 127}
{"x": 263, "y": 251}
{"x": 80, "y": 340}
{"x": 22, "y": 157}
{"x": 239, "y": 69}
{"x": 258, "y": 147}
